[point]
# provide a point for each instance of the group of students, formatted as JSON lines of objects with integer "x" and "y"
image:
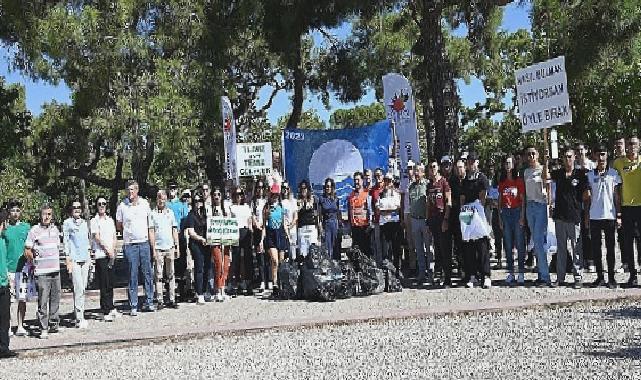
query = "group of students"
{"x": 168, "y": 243}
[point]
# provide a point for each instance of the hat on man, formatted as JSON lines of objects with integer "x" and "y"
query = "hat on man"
{"x": 186, "y": 193}
{"x": 599, "y": 148}
{"x": 446, "y": 158}
{"x": 472, "y": 156}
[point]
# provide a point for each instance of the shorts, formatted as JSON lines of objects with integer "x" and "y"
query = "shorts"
{"x": 276, "y": 238}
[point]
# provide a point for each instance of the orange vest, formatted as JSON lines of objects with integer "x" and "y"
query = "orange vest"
{"x": 358, "y": 206}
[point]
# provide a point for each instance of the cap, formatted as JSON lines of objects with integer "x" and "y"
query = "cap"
{"x": 275, "y": 189}
{"x": 410, "y": 163}
{"x": 389, "y": 175}
{"x": 186, "y": 192}
{"x": 472, "y": 156}
{"x": 446, "y": 158}
{"x": 599, "y": 148}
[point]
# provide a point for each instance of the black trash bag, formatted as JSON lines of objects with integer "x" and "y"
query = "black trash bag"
{"x": 315, "y": 255}
{"x": 319, "y": 285}
{"x": 349, "y": 284}
{"x": 372, "y": 281}
{"x": 288, "y": 281}
{"x": 359, "y": 260}
{"x": 392, "y": 281}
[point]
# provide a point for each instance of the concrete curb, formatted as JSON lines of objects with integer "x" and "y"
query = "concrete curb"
{"x": 129, "y": 339}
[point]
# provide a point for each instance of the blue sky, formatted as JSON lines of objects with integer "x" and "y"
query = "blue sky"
{"x": 38, "y": 93}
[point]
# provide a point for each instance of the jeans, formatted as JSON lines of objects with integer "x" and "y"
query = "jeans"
{"x": 5, "y": 317}
{"x": 537, "y": 220}
{"x": 631, "y": 221}
{"x": 79, "y": 276}
{"x": 105, "y": 276}
{"x": 330, "y": 228}
{"x": 568, "y": 231}
{"x": 421, "y": 237}
{"x": 513, "y": 237}
{"x": 202, "y": 264}
{"x": 442, "y": 247}
{"x": 138, "y": 256}
{"x": 392, "y": 236}
{"x": 164, "y": 269}
{"x": 607, "y": 227}
{"x": 48, "y": 300}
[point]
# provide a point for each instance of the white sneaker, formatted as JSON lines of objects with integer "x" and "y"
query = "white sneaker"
{"x": 108, "y": 318}
{"x": 487, "y": 283}
{"x": 521, "y": 279}
{"x": 20, "y": 331}
{"x": 218, "y": 297}
{"x": 44, "y": 334}
{"x": 201, "y": 300}
{"x": 270, "y": 286}
{"x": 83, "y": 324}
{"x": 470, "y": 283}
{"x": 115, "y": 313}
{"x": 262, "y": 286}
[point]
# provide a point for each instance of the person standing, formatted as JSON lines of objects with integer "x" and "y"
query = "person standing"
{"x": 477, "y": 251}
{"x": 75, "y": 235}
{"x": 584, "y": 163}
{"x": 571, "y": 184}
{"x": 5, "y": 293}
{"x": 258, "y": 205}
{"x": 42, "y": 247}
{"x": 619, "y": 152}
{"x": 417, "y": 192}
{"x": 241, "y": 263}
{"x": 219, "y": 253}
{"x": 180, "y": 208}
{"x": 15, "y": 235}
{"x": 456, "y": 186}
{"x": 196, "y": 227}
{"x": 330, "y": 210}
{"x": 291, "y": 214}
{"x": 358, "y": 213}
{"x": 274, "y": 234}
{"x": 166, "y": 249}
{"x": 133, "y": 218}
{"x": 629, "y": 169}
{"x": 439, "y": 203}
{"x": 603, "y": 202}
{"x": 374, "y": 194}
{"x": 536, "y": 211}
{"x": 367, "y": 179}
{"x": 389, "y": 208}
{"x": 512, "y": 218}
{"x": 103, "y": 231}
{"x": 308, "y": 219}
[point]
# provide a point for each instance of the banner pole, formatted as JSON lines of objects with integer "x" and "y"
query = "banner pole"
{"x": 546, "y": 156}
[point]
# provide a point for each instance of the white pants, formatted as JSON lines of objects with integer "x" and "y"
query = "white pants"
{"x": 307, "y": 235}
{"x": 79, "y": 276}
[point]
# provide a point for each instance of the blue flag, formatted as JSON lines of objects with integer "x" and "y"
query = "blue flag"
{"x": 315, "y": 155}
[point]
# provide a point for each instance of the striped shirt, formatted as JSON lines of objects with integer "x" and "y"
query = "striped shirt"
{"x": 45, "y": 242}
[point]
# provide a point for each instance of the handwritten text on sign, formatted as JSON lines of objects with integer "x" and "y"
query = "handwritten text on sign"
{"x": 542, "y": 95}
{"x": 222, "y": 231}
{"x": 254, "y": 159}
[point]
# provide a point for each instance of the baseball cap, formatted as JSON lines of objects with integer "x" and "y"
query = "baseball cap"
{"x": 186, "y": 192}
{"x": 446, "y": 158}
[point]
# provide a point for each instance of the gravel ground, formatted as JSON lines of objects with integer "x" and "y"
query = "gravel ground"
{"x": 578, "y": 342}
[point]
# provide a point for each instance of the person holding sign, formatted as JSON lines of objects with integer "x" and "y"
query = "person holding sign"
{"x": 308, "y": 222}
{"x": 219, "y": 253}
{"x": 196, "y": 228}
{"x": 389, "y": 207}
{"x": 274, "y": 235}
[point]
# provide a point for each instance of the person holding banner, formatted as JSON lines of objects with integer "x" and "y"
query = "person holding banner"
{"x": 274, "y": 235}
{"x": 330, "y": 211}
{"x": 257, "y": 206}
{"x": 242, "y": 260}
{"x": 196, "y": 228}
{"x": 291, "y": 214}
{"x": 389, "y": 207}
{"x": 308, "y": 221}
{"x": 358, "y": 211}
{"x": 219, "y": 253}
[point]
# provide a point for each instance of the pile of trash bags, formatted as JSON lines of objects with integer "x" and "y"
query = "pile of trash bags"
{"x": 318, "y": 278}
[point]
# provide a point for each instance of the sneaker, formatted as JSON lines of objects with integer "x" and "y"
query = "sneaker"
{"x": 591, "y": 268}
{"x": 612, "y": 284}
{"x": 172, "y": 305}
{"x": 598, "y": 282}
{"x": 108, "y": 318}
{"x": 133, "y": 312}
{"x": 54, "y": 329}
{"x": 578, "y": 283}
{"x": 20, "y": 331}
{"x": 521, "y": 279}
{"x": 470, "y": 283}
{"x": 270, "y": 286}
{"x": 510, "y": 279}
{"x": 115, "y": 313}
{"x": 622, "y": 269}
{"x": 487, "y": 283}
{"x": 262, "y": 287}
{"x": 44, "y": 334}
{"x": 218, "y": 297}
{"x": 82, "y": 324}
{"x": 201, "y": 300}
{"x": 160, "y": 305}
{"x": 8, "y": 354}
{"x": 149, "y": 308}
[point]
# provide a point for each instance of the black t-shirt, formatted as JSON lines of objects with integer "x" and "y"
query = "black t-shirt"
{"x": 307, "y": 211}
{"x": 198, "y": 223}
{"x": 455, "y": 186}
{"x": 569, "y": 194}
{"x": 473, "y": 184}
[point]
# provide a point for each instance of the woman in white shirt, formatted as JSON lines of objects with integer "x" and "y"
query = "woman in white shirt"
{"x": 242, "y": 260}
{"x": 291, "y": 216}
{"x": 257, "y": 206}
{"x": 389, "y": 206}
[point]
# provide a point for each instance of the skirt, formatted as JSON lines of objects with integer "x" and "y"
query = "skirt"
{"x": 276, "y": 238}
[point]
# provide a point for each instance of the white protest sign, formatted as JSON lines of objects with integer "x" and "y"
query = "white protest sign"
{"x": 542, "y": 95}
{"x": 254, "y": 159}
{"x": 222, "y": 231}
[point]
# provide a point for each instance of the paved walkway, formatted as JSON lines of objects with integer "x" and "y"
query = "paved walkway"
{"x": 248, "y": 314}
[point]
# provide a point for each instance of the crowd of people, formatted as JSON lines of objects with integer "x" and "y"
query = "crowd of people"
{"x": 441, "y": 225}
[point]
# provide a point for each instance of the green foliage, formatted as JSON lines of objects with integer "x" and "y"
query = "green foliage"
{"x": 357, "y": 116}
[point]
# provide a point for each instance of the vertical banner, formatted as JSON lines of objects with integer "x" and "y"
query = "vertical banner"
{"x": 399, "y": 105}
{"x": 542, "y": 95}
{"x": 229, "y": 135}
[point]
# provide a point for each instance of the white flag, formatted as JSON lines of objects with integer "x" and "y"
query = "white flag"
{"x": 229, "y": 135}
{"x": 399, "y": 105}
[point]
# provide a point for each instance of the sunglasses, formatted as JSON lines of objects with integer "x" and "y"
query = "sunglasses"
{"x": 216, "y": 194}
{"x": 531, "y": 154}
{"x": 76, "y": 207}
{"x": 434, "y": 166}
{"x": 14, "y": 210}
{"x": 569, "y": 156}
{"x": 102, "y": 203}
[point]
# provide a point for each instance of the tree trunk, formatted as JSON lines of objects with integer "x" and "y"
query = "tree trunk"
{"x": 117, "y": 183}
{"x": 299, "y": 89}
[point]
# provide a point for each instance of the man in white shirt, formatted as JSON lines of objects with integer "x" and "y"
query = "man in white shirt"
{"x": 166, "y": 233}
{"x": 103, "y": 241}
{"x": 603, "y": 201}
{"x": 133, "y": 218}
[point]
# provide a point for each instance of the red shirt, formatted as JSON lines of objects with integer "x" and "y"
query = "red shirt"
{"x": 511, "y": 192}
{"x": 436, "y": 196}
{"x": 375, "y": 194}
